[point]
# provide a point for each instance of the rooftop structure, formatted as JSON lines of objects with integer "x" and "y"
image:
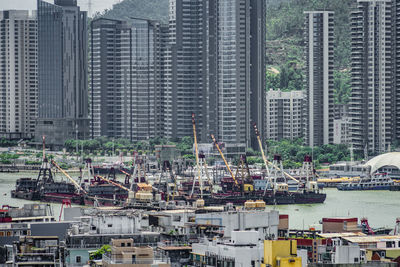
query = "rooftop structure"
{"x": 243, "y": 249}
{"x": 125, "y": 253}
{"x": 281, "y": 253}
{"x": 340, "y": 225}
{"x": 264, "y": 222}
{"x": 38, "y": 251}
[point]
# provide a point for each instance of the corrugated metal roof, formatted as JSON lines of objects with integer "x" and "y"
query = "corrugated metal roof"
{"x": 371, "y": 238}
{"x": 338, "y": 235}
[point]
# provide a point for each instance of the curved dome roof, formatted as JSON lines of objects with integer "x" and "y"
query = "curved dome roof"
{"x": 388, "y": 159}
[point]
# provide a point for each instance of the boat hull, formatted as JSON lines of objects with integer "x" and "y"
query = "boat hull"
{"x": 359, "y": 188}
{"x": 270, "y": 199}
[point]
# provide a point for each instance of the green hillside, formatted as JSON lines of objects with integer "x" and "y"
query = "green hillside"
{"x": 285, "y": 25}
{"x": 285, "y": 45}
{"x": 148, "y": 9}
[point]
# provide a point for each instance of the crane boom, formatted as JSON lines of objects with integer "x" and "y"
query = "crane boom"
{"x": 69, "y": 177}
{"x": 124, "y": 172}
{"x": 265, "y": 159}
{"x": 197, "y": 156}
{"x": 114, "y": 183}
{"x": 261, "y": 147}
{"x": 223, "y": 158}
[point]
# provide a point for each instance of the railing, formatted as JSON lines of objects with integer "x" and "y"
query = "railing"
{"x": 172, "y": 244}
{"x": 153, "y": 260}
{"x": 100, "y": 245}
{"x": 37, "y": 257}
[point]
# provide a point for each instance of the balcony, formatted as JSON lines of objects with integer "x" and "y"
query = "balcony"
{"x": 43, "y": 258}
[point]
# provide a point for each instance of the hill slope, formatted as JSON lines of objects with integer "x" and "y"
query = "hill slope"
{"x": 149, "y": 9}
{"x": 285, "y": 22}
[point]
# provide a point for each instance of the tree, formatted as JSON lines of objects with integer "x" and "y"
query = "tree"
{"x": 185, "y": 145}
{"x": 97, "y": 255}
{"x": 342, "y": 87}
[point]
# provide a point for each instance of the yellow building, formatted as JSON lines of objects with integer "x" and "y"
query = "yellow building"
{"x": 383, "y": 254}
{"x": 282, "y": 253}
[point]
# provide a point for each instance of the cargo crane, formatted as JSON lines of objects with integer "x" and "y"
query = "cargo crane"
{"x": 114, "y": 183}
{"x": 45, "y": 175}
{"x": 170, "y": 188}
{"x": 243, "y": 172}
{"x": 80, "y": 189}
{"x": 223, "y": 158}
{"x": 87, "y": 173}
{"x": 279, "y": 181}
{"x": 200, "y": 163}
{"x": 308, "y": 172}
{"x": 139, "y": 171}
{"x": 266, "y": 162}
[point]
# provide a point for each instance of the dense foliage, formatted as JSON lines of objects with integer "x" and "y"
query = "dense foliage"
{"x": 293, "y": 152}
{"x": 7, "y": 143}
{"x": 285, "y": 45}
{"x": 97, "y": 255}
{"x": 289, "y": 78}
{"x": 286, "y": 21}
{"x": 342, "y": 89}
{"x": 108, "y": 146}
{"x": 7, "y": 158}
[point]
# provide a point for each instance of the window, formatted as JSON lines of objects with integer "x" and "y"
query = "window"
{"x": 78, "y": 259}
{"x": 122, "y": 244}
{"x": 109, "y": 225}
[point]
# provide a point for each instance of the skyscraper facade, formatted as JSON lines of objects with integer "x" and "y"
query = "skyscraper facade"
{"x": 374, "y": 107}
{"x": 218, "y": 65}
{"x": 188, "y": 68}
{"x": 62, "y": 72}
{"x": 284, "y": 115}
{"x": 240, "y": 69}
{"x": 126, "y": 77}
{"x": 18, "y": 73}
{"x": 319, "y": 105}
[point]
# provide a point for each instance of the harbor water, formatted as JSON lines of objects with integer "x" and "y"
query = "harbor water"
{"x": 380, "y": 207}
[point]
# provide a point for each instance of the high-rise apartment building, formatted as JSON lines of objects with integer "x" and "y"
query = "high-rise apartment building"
{"x": 374, "y": 104}
{"x": 283, "y": 118}
{"x": 188, "y": 68}
{"x": 240, "y": 27}
{"x": 62, "y": 72}
{"x": 218, "y": 66}
{"x": 18, "y": 73}
{"x": 319, "y": 106}
{"x": 126, "y": 76}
